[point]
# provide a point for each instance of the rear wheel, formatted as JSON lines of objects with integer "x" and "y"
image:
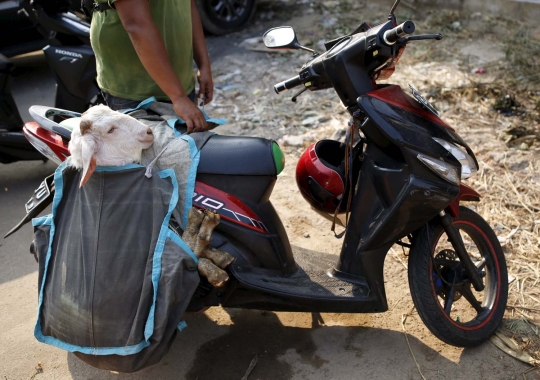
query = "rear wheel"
{"x": 225, "y": 16}
{"x": 443, "y": 295}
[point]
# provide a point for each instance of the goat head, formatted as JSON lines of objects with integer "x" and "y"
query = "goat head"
{"x": 107, "y": 138}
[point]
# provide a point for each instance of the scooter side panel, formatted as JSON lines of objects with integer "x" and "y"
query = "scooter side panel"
{"x": 227, "y": 206}
{"x": 401, "y": 118}
{"x": 386, "y": 219}
{"x": 395, "y": 96}
{"x": 256, "y": 225}
{"x": 396, "y": 194}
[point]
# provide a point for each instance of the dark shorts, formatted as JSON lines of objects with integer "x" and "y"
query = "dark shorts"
{"x": 116, "y": 103}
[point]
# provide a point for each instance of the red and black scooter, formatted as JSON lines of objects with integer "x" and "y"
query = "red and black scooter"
{"x": 400, "y": 181}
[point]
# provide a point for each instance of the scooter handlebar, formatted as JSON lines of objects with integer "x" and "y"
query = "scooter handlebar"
{"x": 402, "y": 30}
{"x": 287, "y": 84}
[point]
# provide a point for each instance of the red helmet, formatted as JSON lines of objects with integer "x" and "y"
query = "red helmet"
{"x": 320, "y": 175}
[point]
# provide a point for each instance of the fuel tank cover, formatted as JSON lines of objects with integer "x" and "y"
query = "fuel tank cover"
{"x": 279, "y": 157}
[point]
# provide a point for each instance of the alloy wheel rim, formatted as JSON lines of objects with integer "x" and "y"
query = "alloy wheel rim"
{"x": 454, "y": 273}
{"x": 228, "y": 10}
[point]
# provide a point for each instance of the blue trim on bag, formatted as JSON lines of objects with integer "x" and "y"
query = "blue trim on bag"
{"x": 182, "y": 244}
{"x": 156, "y": 273}
{"x": 158, "y": 252}
{"x": 47, "y": 220}
{"x": 172, "y": 123}
{"x": 145, "y": 104}
{"x": 117, "y": 168}
{"x": 122, "y": 351}
{"x": 192, "y": 175}
{"x": 182, "y": 325}
{"x": 59, "y": 186}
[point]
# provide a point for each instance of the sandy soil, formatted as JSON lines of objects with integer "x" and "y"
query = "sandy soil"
{"x": 221, "y": 343}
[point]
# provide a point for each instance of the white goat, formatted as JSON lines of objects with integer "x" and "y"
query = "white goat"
{"x": 107, "y": 138}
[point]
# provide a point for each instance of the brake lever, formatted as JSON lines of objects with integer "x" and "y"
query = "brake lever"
{"x": 293, "y": 99}
{"x": 421, "y": 37}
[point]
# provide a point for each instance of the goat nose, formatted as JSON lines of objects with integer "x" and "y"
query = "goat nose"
{"x": 149, "y": 132}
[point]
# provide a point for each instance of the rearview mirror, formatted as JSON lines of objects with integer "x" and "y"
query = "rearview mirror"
{"x": 280, "y": 38}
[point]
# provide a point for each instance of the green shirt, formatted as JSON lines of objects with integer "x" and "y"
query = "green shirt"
{"x": 120, "y": 71}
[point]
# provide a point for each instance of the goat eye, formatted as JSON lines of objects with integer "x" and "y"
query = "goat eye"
{"x": 111, "y": 130}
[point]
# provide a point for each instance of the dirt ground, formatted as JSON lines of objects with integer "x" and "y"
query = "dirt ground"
{"x": 221, "y": 343}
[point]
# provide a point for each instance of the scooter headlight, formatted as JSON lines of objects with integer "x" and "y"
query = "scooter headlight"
{"x": 445, "y": 170}
{"x": 468, "y": 166}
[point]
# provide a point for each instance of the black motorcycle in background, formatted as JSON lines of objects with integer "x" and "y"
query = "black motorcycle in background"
{"x": 65, "y": 39}
{"x": 62, "y": 30}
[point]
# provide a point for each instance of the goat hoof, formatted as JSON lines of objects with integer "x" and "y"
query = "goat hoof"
{"x": 220, "y": 258}
{"x": 215, "y": 276}
{"x": 195, "y": 218}
{"x": 213, "y": 217}
{"x": 210, "y": 221}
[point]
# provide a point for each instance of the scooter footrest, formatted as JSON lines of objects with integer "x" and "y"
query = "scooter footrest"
{"x": 310, "y": 280}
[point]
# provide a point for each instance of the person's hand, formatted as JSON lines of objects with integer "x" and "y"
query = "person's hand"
{"x": 193, "y": 117}
{"x": 206, "y": 86}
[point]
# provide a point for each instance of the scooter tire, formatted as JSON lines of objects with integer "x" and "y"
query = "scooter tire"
{"x": 425, "y": 284}
{"x": 214, "y": 23}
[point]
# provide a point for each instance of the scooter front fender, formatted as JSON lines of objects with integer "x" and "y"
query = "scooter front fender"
{"x": 465, "y": 194}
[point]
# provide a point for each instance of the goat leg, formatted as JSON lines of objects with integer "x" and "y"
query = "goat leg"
{"x": 221, "y": 258}
{"x": 197, "y": 236}
{"x": 210, "y": 221}
{"x": 203, "y": 247}
{"x": 217, "y": 277}
{"x": 195, "y": 219}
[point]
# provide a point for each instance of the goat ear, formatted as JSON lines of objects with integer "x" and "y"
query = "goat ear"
{"x": 85, "y": 126}
{"x": 88, "y": 159}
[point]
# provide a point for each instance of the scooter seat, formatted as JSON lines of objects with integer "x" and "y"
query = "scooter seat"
{"x": 238, "y": 155}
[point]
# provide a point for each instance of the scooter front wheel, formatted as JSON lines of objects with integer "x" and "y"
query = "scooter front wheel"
{"x": 443, "y": 295}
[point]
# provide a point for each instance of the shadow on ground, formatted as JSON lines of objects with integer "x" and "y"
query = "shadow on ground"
{"x": 17, "y": 183}
{"x": 206, "y": 350}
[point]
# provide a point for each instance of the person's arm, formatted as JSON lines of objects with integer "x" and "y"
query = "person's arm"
{"x": 200, "y": 54}
{"x": 137, "y": 20}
